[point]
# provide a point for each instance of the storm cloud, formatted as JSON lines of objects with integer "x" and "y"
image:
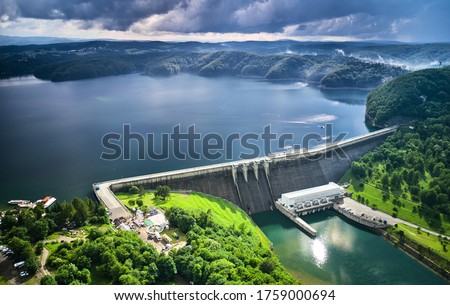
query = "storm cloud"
{"x": 368, "y": 19}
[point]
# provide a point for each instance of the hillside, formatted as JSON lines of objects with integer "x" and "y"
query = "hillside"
{"x": 408, "y": 176}
{"x": 318, "y": 63}
{"x": 418, "y": 95}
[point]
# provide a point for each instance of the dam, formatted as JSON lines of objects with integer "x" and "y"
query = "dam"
{"x": 253, "y": 184}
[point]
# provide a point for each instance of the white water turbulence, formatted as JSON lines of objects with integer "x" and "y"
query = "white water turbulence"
{"x": 313, "y": 119}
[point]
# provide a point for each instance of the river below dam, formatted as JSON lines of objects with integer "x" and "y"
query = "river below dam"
{"x": 341, "y": 253}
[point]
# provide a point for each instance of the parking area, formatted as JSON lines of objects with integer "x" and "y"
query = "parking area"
{"x": 8, "y": 271}
{"x": 367, "y": 212}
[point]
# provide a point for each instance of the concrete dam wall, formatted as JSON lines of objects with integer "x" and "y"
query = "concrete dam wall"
{"x": 254, "y": 185}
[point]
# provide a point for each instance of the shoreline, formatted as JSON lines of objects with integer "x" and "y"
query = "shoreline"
{"x": 418, "y": 257}
{"x": 143, "y": 73}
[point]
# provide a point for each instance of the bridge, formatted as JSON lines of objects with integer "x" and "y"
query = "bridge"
{"x": 252, "y": 184}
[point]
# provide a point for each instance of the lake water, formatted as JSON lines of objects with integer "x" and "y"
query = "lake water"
{"x": 51, "y": 133}
{"x": 341, "y": 253}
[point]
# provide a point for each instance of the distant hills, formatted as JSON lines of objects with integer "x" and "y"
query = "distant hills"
{"x": 20, "y": 41}
{"x": 330, "y": 64}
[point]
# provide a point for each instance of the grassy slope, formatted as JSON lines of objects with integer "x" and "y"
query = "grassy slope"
{"x": 425, "y": 239}
{"x": 405, "y": 211}
{"x": 223, "y": 212}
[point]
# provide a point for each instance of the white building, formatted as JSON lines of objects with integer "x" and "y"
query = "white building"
{"x": 330, "y": 191}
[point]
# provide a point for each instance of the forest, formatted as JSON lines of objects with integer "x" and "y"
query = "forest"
{"x": 418, "y": 95}
{"x": 24, "y": 230}
{"x": 74, "y": 61}
{"x": 215, "y": 254}
{"x": 412, "y": 167}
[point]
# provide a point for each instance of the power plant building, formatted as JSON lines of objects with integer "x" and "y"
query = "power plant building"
{"x": 328, "y": 191}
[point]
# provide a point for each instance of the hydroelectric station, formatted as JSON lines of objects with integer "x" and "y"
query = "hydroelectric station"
{"x": 255, "y": 185}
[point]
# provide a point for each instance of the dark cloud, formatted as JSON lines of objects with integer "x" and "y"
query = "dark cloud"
{"x": 112, "y": 14}
{"x": 383, "y": 19}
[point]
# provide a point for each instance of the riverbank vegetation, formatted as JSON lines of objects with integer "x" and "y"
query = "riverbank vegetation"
{"x": 427, "y": 248}
{"x": 439, "y": 244}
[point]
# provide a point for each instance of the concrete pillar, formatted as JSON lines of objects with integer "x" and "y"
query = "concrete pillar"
{"x": 266, "y": 165}
{"x": 234, "y": 174}
{"x": 245, "y": 171}
{"x": 255, "y": 170}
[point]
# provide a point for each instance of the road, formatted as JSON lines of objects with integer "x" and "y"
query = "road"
{"x": 359, "y": 208}
{"x": 115, "y": 207}
{"x": 43, "y": 270}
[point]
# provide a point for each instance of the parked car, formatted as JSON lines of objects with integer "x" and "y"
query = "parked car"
{"x": 23, "y": 273}
{"x": 19, "y": 264}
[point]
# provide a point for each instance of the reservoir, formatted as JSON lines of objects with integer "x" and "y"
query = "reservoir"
{"x": 341, "y": 253}
{"x": 52, "y": 133}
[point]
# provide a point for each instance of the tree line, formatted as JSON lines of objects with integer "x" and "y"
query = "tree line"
{"x": 24, "y": 230}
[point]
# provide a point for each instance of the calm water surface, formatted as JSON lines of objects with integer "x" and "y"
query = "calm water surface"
{"x": 51, "y": 132}
{"x": 341, "y": 253}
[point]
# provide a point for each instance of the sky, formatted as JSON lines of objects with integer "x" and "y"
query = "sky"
{"x": 229, "y": 20}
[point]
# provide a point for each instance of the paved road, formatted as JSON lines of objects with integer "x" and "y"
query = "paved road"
{"x": 115, "y": 207}
{"x": 359, "y": 208}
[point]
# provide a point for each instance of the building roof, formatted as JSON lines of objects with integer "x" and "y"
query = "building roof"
{"x": 124, "y": 227}
{"x": 158, "y": 220}
{"x": 312, "y": 190}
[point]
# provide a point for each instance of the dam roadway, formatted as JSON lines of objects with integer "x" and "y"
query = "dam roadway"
{"x": 252, "y": 184}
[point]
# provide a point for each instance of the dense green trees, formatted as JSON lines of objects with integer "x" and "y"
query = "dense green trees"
{"x": 162, "y": 191}
{"x": 82, "y": 69}
{"x": 218, "y": 255}
{"x": 48, "y": 280}
{"x": 413, "y": 163}
{"x": 359, "y": 74}
{"x": 133, "y": 190}
{"x": 121, "y": 258}
{"x": 80, "y": 211}
{"x": 166, "y": 268}
{"x": 416, "y": 174}
{"x": 23, "y": 230}
{"x": 421, "y": 94}
{"x": 214, "y": 255}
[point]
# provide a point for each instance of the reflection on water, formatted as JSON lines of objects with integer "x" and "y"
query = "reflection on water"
{"x": 341, "y": 253}
{"x": 319, "y": 251}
